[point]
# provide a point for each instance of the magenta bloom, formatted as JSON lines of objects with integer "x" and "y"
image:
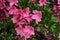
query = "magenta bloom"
{"x": 25, "y": 12}
{"x": 42, "y": 2}
{"x": 59, "y": 2}
{"x": 23, "y": 21}
{"x": 2, "y": 4}
{"x": 58, "y": 19}
{"x": 11, "y": 9}
{"x": 54, "y": 8}
{"x": 58, "y": 7}
{"x": 49, "y": 36}
{"x": 25, "y": 32}
{"x": 12, "y": 2}
{"x": 20, "y": 30}
{"x": 15, "y": 19}
{"x": 21, "y": 16}
{"x": 29, "y": 18}
{"x": 37, "y": 16}
{"x": 28, "y": 31}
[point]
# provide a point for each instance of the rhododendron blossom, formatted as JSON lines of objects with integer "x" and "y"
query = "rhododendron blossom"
{"x": 37, "y": 15}
{"x": 54, "y": 7}
{"x": 23, "y": 21}
{"x": 20, "y": 30}
{"x": 25, "y": 32}
{"x": 26, "y": 12}
{"x": 20, "y": 15}
{"x": 58, "y": 2}
{"x": 42, "y": 2}
{"x": 58, "y": 19}
{"x": 11, "y": 9}
{"x": 14, "y": 19}
{"x": 2, "y": 4}
{"x": 58, "y": 7}
{"x": 31, "y": 19}
{"x": 28, "y": 31}
{"x": 12, "y": 2}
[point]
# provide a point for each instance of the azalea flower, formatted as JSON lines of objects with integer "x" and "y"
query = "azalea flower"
{"x": 37, "y": 15}
{"x": 11, "y": 9}
{"x": 25, "y": 32}
{"x": 2, "y": 4}
{"x": 28, "y": 31}
{"x": 54, "y": 8}
{"x": 29, "y": 18}
{"x": 12, "y": 2}
{"x": 49, "y": 36}
{"x": 58, "y": 7}
{"x": 58, "y": 2}
{"x": 21, "y": 16}
{"x": 23, "y": 21}
{"x": 42, "y": 2}
{"x": 58, "y": 19}
{"x": 26, "y": 12}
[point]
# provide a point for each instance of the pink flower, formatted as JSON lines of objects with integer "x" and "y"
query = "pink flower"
{"x": 58, "y": 7}
{"x": 49, "y": 36}
{"x": 25, "y": 32}
{"x": 12, "y": 2}
{"x": 58, "y": 19}
{"x": 28, "y": 31}
{"x": 33, "y": 0}
{"x": 56, "y": 14}
{"x": 23, "y": 21}
{"x": 26, "y": 12}
{"x": 11, "y": 9}
{"x": 2, "y": 4}
{"x": 14, "y": 19}
{"x": 54, "y": 8}
{"x": 16, "y": 16}
{"x": 37, "y": 16}
{"x": 42, "y": 2}
{"x": 20, "y": 30}
{"x": 59, "y": 2}
{"x": 21, "y": 16}
{"x": 29, "y": 18}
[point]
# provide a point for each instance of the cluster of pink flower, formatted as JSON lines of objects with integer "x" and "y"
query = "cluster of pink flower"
{"x": 3, "y": 5}
{"x": 56, "y": 9}
{"x": 41, "y": 2}
{"x": 25, "y": 32}
{"x": 3, "y": 9}
{"x": 22, "y": 16}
